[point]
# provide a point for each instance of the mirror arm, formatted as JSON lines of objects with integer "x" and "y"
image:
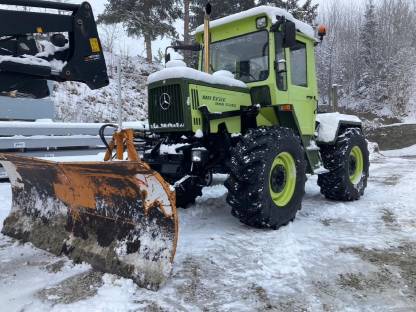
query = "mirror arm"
{"x": 194, "y": 47}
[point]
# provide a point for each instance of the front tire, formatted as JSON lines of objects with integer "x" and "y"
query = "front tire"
{"x": 267, "y": 177}
{"x": 348, "y": 164}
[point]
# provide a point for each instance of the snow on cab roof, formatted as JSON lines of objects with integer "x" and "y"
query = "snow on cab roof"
{"x": 193, "y": 74}
{"x": 270, "y": 11}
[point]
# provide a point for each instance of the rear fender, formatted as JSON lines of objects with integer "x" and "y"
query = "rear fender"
{"x": 331, "y": 125}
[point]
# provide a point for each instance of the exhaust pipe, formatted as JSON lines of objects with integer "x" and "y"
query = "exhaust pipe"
{"x": 208, "y": 10}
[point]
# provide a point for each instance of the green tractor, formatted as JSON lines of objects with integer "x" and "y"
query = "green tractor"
{"x": 251, "y": 111}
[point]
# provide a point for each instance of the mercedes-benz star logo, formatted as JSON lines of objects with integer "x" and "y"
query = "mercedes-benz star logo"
{"x": 164, "y": 101}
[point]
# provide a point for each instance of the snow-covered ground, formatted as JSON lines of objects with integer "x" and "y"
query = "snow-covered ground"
{"x": 357, "y": 256}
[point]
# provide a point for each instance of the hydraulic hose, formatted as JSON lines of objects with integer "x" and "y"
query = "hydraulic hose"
{"x": 102, "y": 134}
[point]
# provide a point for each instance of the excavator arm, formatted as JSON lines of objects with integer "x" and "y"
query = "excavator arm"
{"x": 61, "y": 44}
{"x": 119, "y": 216}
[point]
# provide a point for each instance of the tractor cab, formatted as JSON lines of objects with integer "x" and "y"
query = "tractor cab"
{"x": 263, "y": 56}
{"x": 273, "y": 53}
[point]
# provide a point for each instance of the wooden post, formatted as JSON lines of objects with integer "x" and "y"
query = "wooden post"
{"x": 334, "y": 97}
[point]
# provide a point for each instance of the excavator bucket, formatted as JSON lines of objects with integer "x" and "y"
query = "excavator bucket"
{"x": 119, "y": 216}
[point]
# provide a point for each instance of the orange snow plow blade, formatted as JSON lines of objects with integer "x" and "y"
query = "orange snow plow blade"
{"x": 119, "y": 216}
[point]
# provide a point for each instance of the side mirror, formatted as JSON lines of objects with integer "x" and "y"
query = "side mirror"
{"x": 289, "y": 34}
{"x": 288, "y": 29}
{"x": 167, "y": 58}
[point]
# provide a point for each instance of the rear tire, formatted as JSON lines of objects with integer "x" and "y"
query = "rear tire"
{"x": 348, "y": 164}
{"x": 267, "y": 177}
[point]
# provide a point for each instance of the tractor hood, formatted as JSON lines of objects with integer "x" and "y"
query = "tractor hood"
{"x": 177, "y": 70}
{"x": 177, "y": 93}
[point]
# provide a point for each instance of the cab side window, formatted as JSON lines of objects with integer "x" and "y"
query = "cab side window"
{"x": 298, "y": 62}
{"x": 280, "y": 66}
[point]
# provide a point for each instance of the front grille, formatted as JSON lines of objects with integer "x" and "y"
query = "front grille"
{"x": 162, "y": 115}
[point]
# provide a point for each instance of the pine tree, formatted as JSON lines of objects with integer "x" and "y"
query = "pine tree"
{"x": 145, "y": 18}
{"x": 369, "y": 49}
{"x": 220, "y": 8}
{"x": 289, "y": 5}
{"x": 306, "y": 12}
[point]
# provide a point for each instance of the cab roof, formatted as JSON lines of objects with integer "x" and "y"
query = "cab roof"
{"x": 270, "y": 11}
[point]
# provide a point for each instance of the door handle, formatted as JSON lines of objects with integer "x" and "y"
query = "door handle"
{"x": 310, "y": 97}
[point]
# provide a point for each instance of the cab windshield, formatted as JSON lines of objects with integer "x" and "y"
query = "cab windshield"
{"x": 247, "y": 57}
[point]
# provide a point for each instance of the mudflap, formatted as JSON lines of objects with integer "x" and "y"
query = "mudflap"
{"x": 118, "y": 216}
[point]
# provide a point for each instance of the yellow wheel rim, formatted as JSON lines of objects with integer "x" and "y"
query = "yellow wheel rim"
{"x": 356, "y": 165}
{"x": 282, "y": 182}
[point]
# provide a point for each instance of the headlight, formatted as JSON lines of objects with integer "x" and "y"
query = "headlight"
{"x": 261, "y": 22}
{"x": 197, "y": 156}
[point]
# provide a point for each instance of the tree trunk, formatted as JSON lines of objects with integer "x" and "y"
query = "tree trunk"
{"x": 186, "y": 20}
{"x": 148, "y": 44}
{"x": 186, "y": 32}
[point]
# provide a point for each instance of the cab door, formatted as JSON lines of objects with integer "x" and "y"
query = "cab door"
{"x": 281, "y": 70}
{"x": 302, "y": 84}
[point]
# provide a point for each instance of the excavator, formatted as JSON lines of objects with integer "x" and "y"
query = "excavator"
{"x": 250, "y": 111}
{"x": 119, "y": 216}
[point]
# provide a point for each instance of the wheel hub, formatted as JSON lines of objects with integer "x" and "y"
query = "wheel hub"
{"x": 278, "y": 179}
{"x": 352, "y": 164}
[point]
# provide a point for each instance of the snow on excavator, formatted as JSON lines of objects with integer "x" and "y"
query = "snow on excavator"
{"x": 119, "y": 216}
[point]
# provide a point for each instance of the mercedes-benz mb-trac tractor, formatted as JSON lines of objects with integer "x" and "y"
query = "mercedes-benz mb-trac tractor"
{"x": 250, "y": 111}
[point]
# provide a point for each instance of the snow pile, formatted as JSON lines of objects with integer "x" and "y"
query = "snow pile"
{"x": 193, "y": 74}
{"x": 328, "y": 125}
{"x": 271, "y": 12}
{"x": 374, "y": 150}
{"x": 175, "y": 63}
{"x": 404, "y": 152}
{"x": 223, "y": 73}
{"x": 25, "y": 60}
{"x": 75, "y": 102}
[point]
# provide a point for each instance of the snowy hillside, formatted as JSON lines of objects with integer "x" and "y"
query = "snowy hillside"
{"x": 75, "y": 102}
{"x": 370, "y": 53}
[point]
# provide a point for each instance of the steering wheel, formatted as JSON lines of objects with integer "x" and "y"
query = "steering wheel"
{"x": 256, "y": 67}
